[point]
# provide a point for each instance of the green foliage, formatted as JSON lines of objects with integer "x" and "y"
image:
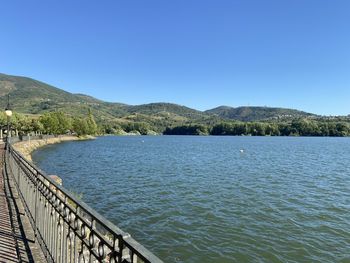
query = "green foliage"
{"x": 56, "y": 123}
{"x": 35, "y": 97}
{"x": 36, "y": 125}
{"x": 187, "y": 130}
{"x": 92, "y": 126}
{"x": 80, "y": 126}
{"x": 300, "y": 127}
{"x": 63, "y": 112}
{"x": 141, "y": 127}
{"x": 85, "y": 126}
{"x": 51, "y": 123}
{"x": 257, "y": 113}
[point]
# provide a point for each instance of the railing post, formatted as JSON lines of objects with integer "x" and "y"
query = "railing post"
{"x": 36, "y": 207}
{"x": 67, "y": 229}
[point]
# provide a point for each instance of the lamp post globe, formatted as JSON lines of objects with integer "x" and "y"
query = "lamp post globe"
{"x": 8, "y": 112}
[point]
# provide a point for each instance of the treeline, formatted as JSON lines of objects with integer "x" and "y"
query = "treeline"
{"x": 141, "y": 128}
{"x": 51, "y": 123}
{"x": 60, "y": 123}
{"x": 302, "y": 127}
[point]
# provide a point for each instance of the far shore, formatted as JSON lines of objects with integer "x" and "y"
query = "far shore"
{"x": 26, "y": 148}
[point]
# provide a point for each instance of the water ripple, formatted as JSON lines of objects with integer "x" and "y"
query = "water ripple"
{"x": 198, "y": 199}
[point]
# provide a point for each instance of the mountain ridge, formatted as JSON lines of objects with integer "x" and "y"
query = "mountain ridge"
{"x": 30, "y": 96}
{"x": 253, "y": 113}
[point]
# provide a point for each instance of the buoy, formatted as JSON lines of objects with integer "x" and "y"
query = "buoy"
{"x": 242, "y": 151}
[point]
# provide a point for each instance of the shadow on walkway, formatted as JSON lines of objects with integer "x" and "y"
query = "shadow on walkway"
{"x": 16, "y": 236}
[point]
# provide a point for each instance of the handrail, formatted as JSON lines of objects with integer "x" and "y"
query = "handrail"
{"x": 67, "y": 229}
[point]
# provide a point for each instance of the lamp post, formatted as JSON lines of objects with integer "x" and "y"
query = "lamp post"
{"x": 8, "y": 113}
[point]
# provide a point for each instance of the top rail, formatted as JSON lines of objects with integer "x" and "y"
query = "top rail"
{"x": 67, "y": 229}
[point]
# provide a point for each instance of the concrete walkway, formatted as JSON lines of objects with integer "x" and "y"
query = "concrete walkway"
{"x": 16, "y": 235}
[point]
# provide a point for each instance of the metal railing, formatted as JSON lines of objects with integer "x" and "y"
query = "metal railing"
{"x": 67, "y": 229}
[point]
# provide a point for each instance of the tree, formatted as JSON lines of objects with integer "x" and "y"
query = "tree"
{"x": 80, "y": 126}
{"x": 56, "y": 122}
{"x": 50, "y": 123}
{"x": 37, "y": 126}
{"x": 64, "y": 122}
{"x": 92, "y": 126}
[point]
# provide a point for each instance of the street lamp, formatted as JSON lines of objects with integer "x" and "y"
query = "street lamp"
{"x": 8, "y": 113}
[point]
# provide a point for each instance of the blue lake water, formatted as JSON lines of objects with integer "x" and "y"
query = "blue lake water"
{"x": 200, "y": 199}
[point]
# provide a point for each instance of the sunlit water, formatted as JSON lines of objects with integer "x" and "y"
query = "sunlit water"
{"x": 200, "y": 199}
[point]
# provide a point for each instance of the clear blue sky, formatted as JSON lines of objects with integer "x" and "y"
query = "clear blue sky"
{"x": 198, "y": 53}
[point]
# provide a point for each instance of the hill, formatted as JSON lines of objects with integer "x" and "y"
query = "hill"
{"x": 31, "y": 96}
{"x": 257, "y": 113}
{"x": 34, "y": 97}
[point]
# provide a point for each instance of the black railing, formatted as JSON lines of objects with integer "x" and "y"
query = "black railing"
{"x": 67, "y": 229}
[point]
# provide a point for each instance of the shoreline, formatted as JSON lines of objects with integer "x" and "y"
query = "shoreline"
{"x": 26, "y": 148}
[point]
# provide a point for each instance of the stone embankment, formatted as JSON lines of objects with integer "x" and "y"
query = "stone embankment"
{"x": 27, "y": 147}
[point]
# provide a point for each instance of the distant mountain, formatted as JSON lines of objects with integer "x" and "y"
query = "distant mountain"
{"x": 34, "y": 97}
{"x": 256, "y": 113}
{"x": 158, "y": 108}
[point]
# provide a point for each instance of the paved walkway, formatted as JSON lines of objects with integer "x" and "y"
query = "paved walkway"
{"x": 16, "y": 236}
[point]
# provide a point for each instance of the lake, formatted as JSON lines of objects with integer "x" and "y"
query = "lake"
{"x": 201, "y": 199}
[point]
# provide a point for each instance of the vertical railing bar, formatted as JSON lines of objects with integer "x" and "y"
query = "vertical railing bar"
{"x": 49, "y": 245}
{"x": 64, "y": 241}
{"x": 32, "y": 194}
{"x": 36, "y": 208}
{"x": 70, "y": 245}
{"x": 76, "y": 226}
{"x": 53, "y": 231}
{"x": 44, "y": 219}
{"x": 120, "y": 245}
{"x": 74, "y": 250}
{"x": 93, "y": 227}
{"x": 59, "y": 240}
{"x": 46, "y": 222}
{"x": 57, "y": 227}
{"x": 56, "y": 236}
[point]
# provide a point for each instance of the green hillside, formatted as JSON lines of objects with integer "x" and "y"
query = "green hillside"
{"x": 30, "y": 96}
{"x": 158, "y": 108}
{"x": 257, "y": 113}
{"x": 34, "y": 97}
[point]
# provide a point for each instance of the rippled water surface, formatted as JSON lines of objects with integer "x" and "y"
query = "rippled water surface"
{"x": 199, "y": 199}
